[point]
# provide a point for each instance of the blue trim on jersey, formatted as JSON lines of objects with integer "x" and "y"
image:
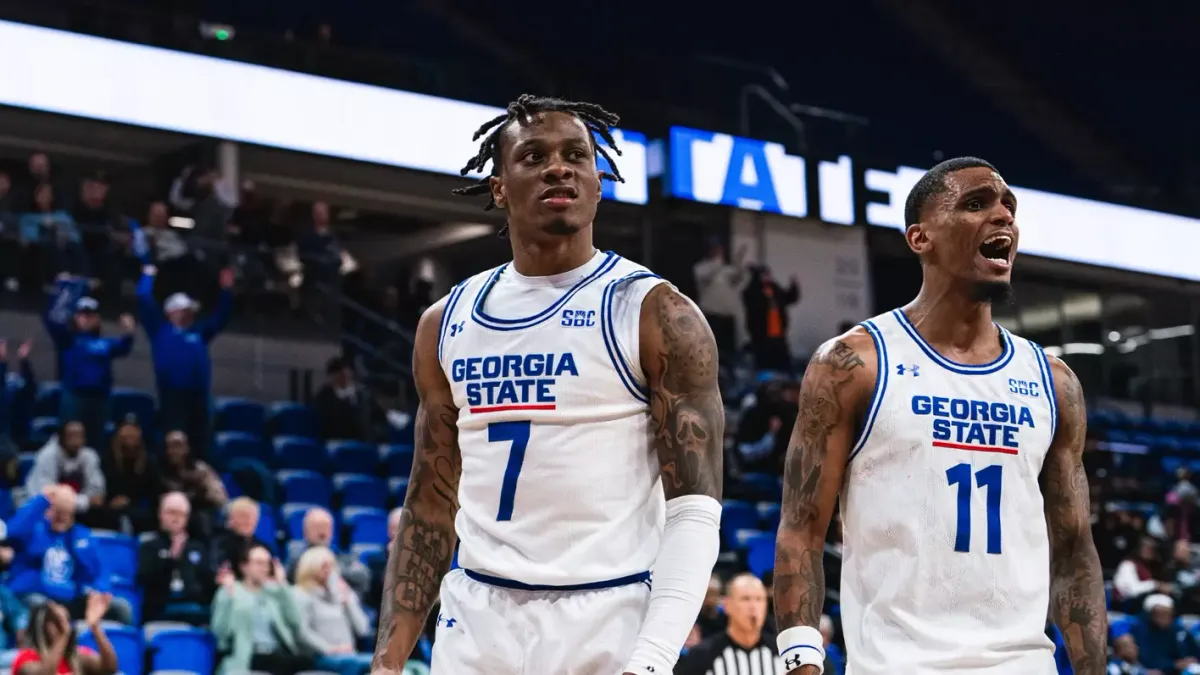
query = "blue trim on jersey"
{"x": 880, "y": 387}
{"x": 1047, "y": 386}
{"x": 495, "y": 323}
{"x": 455, "y": 294}
{"x": 609, "y": 333}
{"x": 594, "y": 586}
{"x": 814, "y": 648}
{"x": 953, "y": 366}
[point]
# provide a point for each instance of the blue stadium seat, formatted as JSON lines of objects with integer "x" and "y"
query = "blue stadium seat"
{"x": 231, "y": 444}
{"x": 291, "y": 419}
{"x": 189, "y": 649}
{"x": 369, "y": 554}
{"x": 240, "y": 414}
{"x": 41, "y": 429}
{"x": 119, "y": 553}
{"x": 1120, "y": 624}
{"x": 742, "y": 537}
{"x": 736, "y": 516}
{"x": 1172, "y": 464}
{"x": 397, "y": 460}
{"x": 1191, "y": 446}
{"x": 768, "y": 516}
{"x": 1118, "y": 436}
{"x": 298, "y": 452}
{"x": 128, "y": 590}
{"x": 1174, "y": 427}
{"x": 360, "y": 490}
{"x": 126, "y": 402}
{"x": 48, "y": 397}
{"x": 367, "y": 526}
{"x": 401, "y": 434}
{"x": 25, "y": 465}
{"x": 1168, "y": 444}
{"x": 126, "y": 642}
{"x": 6, "y": 504}
{"x": 305, "y": 487}
{"x": 397, "y": 489}
{"x": 267, "y": 530}
{"x": 764, "y": 486}
{"x": 353, "y": 457}
{"x": 760, "y": 554}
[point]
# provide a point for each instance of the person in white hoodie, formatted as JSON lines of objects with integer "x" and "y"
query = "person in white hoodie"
{"x": 65, "y": 459}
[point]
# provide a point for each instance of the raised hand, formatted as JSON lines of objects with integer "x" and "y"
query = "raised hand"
{"x": 97, "y": 607}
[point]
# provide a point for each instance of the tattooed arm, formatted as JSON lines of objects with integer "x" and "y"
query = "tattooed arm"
{"x": 836, "y": 387}
{"x": 421, "y": 552}
{"x": 1076, "y": 581}
{"x": 679, "y": 358}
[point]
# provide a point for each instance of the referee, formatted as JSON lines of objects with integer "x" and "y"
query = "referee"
{"x": 743, "y": 649}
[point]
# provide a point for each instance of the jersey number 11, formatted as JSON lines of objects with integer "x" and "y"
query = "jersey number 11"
{"x": 989, "y": 478}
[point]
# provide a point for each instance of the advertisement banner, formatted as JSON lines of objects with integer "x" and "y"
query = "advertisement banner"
{"x": 95, "y": 78}
{"x": 721, "y": 169}
{"x": 828, "y": 263}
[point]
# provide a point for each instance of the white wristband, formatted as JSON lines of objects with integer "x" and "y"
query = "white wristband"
{"x": 801, "y": 646}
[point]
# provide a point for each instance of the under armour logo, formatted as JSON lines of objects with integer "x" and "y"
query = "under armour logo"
{"x": 793, "y": 662}
{"x": 456, "y": 328}
{"x": 914, "y": 370}
{"x": 446, "y": 621}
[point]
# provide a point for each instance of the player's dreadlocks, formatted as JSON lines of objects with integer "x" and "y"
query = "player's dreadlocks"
{"x": 595, "y": 118}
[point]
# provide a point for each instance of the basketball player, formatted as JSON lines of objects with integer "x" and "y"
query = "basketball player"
{"x": 957, "y": 448}
{"x": 555, "y": 391}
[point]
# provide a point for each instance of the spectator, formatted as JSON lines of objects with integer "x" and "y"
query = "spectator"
{"x": 318, "y": 533}
{"x": 1134, "y": 578}
{"x": 344, "y": 409}
{"x": 711, "y": 619}
{"x": 39, "y": 172}
{"x": 238, "y": 535}
{"x": 835, "y": 662}
{"x": 765, "y": 427}
{"x": 170, "y": 254}
{"x": 18, "y": 392}
{"x": 55, "y": 642}
{"x": 86, "y": 358}
{"x": 1162, "y": 643}
{"x": 14, "y": 619}
{"x": 66, "y": 460}
{"x": 743, "y": 644}
{"x": 54, "y": 558}
{"x": 175, "y": 571}
{"x": 376, "y": 564}
{"x": 132, "y": 480}
{"x": 181, "y": 362}
{"x": 717, "y": 286}
{"x": 1124, "y": 660}
{"x": 53, "y": 227}
{"x": 331, "y": 618}
{"x": 255, "y": 619}
{"x": 184, "y": 473}
{"x": 767, "y": 319}
{"x": 10, "y": 249}
{"x": 98, "y": 223}
{"x": 320, "y": 252}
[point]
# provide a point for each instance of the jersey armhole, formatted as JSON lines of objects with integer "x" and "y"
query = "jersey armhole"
{"x": 620, "y": 325}
{"x": 881, "y": 378}
{"x": 452, "y": 299}
{"x": 1047, "y": 384}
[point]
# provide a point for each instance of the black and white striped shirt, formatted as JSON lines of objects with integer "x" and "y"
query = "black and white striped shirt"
{"x": 719, "y": 655}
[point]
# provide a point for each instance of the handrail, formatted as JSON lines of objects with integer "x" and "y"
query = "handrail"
{"x": 778, "y": 107}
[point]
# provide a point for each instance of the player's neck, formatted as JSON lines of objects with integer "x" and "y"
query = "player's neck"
{"x": 556, "y": 256}
{"x": 951, "y": 317}
{"x": 745, "y": 638}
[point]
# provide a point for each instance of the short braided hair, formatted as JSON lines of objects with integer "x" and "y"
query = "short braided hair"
{"x": 597, "y": 120}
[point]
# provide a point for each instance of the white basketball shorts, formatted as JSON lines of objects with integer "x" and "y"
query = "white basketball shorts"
{"x": 484, "y": 629}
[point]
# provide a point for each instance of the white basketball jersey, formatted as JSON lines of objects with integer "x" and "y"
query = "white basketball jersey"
{"x": 946, "y": 565}
{"x": 560, "y": 485}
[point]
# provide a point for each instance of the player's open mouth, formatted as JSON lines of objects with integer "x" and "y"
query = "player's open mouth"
{"x": 559, "y": 195}
{"x": 997, "y": 249}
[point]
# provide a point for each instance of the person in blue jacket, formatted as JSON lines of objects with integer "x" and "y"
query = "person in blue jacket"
{"x": 182, "y": 368}
{"x": 86, "y": 361}
{"x": 55, "y": 559}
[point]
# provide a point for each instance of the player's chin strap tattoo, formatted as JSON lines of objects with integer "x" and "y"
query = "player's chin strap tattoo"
{"x": 421, "y": 553}
{"x": 679, "y": 357}
{"x": 816, "y": 462}
{"x": 1077, "y": 604}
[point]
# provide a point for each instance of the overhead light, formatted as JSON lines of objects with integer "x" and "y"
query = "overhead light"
{"x": 1172, "y": 332}
{"x": 181, "y": 222}
{"x": 1093, "y": 348}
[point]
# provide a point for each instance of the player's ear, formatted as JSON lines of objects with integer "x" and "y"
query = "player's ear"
{"x": 499, "y": 194}
{"x": 918, "y": 239}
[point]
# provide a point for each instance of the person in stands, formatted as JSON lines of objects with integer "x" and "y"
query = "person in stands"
{"x": 331, "y": 618}
{"x": 56, "y": 649}
{"x": 255, "y": 619}
{"x": 65, "y": 459}
{"x": 175, "y": 571}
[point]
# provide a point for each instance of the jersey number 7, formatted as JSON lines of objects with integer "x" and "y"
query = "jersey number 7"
{"x": 516, "y": 433}
{"x": 989, "y": 478}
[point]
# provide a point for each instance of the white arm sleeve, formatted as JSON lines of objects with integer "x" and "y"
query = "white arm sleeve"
{"x": 690, "y": 544}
